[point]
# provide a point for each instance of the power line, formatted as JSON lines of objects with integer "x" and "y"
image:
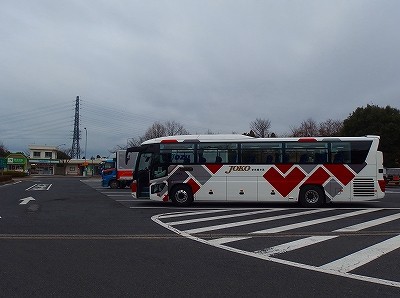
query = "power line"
{"x": 107, "y": 125}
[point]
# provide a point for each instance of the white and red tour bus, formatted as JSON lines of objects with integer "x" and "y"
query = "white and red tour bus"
{"x": 308, "y": 170}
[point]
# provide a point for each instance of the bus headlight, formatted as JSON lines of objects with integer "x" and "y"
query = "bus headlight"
{"x": 156, "y": 188}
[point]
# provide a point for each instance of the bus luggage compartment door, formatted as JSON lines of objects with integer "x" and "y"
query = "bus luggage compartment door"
{"x": 241, "y": 189}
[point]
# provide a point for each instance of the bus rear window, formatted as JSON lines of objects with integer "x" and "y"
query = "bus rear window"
{"x": 354, "y": 152}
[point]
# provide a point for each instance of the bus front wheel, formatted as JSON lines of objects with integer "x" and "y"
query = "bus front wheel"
{"x": 182, "y": 195}
{"x": 311, "y": 196}
{"x": 114, "y": 184}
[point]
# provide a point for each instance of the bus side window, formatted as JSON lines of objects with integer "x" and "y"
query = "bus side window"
{"x": 286, "y": 158}
{"x": 232, "y": 156}
{"x": 320, "y": 158}
{"x": 304, "y": 158}
{"x": 201, "y": 158}
{"x": 338, "y": 158}
{"x": 251, "y": 159}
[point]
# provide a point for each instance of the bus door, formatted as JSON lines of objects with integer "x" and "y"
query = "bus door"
{"x": 141, "y": 171}
{"x": 142, "y": 174}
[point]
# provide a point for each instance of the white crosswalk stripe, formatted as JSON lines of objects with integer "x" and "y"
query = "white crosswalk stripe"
{"x": 364, "y": 256}
{"x": 370, "y": 224}
{"x": 312, "y": 222}
{"x": 342, "y": 266}
{"x": 225, "y": 240}
{"x": 285, "y": 247}
{"x": 251, "y": 221}
{"x": 221, "y": 217}
{"x": 293, "y": 245}
{"x": 185, "y": 213}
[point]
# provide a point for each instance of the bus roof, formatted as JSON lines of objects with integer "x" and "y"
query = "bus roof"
{"x": 244, "y": 138}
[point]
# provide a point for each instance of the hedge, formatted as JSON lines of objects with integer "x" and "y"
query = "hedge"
{"x": 4, "y": 178}
{"x": 14, "y": 173}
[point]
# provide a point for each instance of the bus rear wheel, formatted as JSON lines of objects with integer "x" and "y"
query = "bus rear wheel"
{"x": 182, "y": 195}
{"x": 311, "y": 196}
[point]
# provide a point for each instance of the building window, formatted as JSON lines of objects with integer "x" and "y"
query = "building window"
{"x": 36, "y": 154}
{"x": 48, "y": 155}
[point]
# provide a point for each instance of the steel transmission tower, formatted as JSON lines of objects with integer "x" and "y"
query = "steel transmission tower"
{"x": 76, "y": 149}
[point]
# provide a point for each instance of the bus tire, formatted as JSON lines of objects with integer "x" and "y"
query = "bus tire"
{"x": 311, "y": 196}
{"x": 114, "y": 184}
{"x": 182, "y": 195}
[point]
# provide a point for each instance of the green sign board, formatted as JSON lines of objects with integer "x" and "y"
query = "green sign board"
{"x": 15, "y": 160}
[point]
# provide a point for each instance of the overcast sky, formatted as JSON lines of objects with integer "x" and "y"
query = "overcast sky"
{"x": 209, "y": 65}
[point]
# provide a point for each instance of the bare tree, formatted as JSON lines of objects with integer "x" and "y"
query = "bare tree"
{"x": 260, "y": 127}
{"x": 173, "y": 128}
{"x": 307, "y": 128}
{"x": 64, "y": 154}
{"x": 133, "y": 142}
{"x": 3, "y": 150}
{"x": 310, "y": 128}
{"x": 158, "y": 129}
{"x": 155, "y": 131}
{"x": 330, "y": 128}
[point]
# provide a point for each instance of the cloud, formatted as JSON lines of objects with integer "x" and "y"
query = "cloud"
{"x": 214, "y": 65}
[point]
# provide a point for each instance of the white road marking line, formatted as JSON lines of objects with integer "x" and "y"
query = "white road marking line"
{"x": 313, "y": 222}
{"x": 252, "y": 221}
{"x": 392, "y": 191}
{"x": 289, "y": 246}
{"x": 345, "y": 264}
{"x": 369, "y": 224}
{"x": 29, "y": 188}
{"x": 372, "y": 201}
{"x": 120, "y": 196}
{"x": 374, "y": 280}
{"x": 159, "y": 207}
{"x": 180, "y": 214}
{"x": 13, "y": 183}
{"x": 293, "y": 245}
{"x": 25, "y": 201}
{"x": 39, "y": 187}
{"x": 139, "y": 200}
{"x": 221, "y": 217}
{"x": 227, "y": 240}
{"x": 364, "y": 256}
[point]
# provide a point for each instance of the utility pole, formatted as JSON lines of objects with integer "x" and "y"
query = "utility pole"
{"x": 86, "y": 164}
{"x": 76, "y": 149}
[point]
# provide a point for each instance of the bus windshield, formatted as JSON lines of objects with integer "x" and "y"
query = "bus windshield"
{"x": 145, "y": 161}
